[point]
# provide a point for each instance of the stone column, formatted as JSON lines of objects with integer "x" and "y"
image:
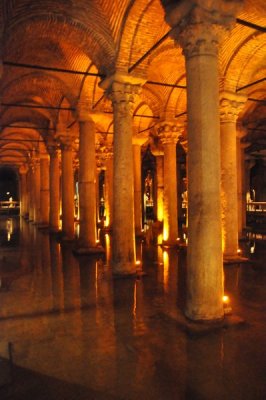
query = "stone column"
{"x": 137, "y": 143}
{"x": 160, "y": 187}
{"x": 87, "y": 184}
{"x": 200, "y": 35}
{"x": 230, "y": 106}
{"x": 109, "y": 189}
{"x": 36, "y": 191}
{"x": 168, "y": 133}
{"x": 30, "y": 187}
{"x": 122, "y": 91}
{"x": 241, "y": 186}
{"x": 67, "y": 187}
{"x": 23, "y": 191}
{"x": 45, "y": 191}
{"x": 54, "y": 178}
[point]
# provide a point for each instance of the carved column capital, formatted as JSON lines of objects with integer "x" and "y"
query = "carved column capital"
{"x": 122, "y": 90}
{"x": 231, "y": 104}
{"x": 23, "y": 169}
{"x": 201, "y": 24}
{"x": 169, "y": 132}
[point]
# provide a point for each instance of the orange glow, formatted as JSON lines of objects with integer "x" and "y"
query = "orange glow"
{"x": 165, "y": 230}
{"x": 160, "y": 209}
{"x": 165, "y": 269}
{"x": 239, "y": 251}
{"x": 225, "y": 299}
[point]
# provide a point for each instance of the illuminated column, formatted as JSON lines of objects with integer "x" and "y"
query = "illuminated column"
{"x": 36, "y": 193}
{"x": 44, "y": 194}
{"x": 23, "y": 190}
{"x": 87, "y": 183}
{"x": 241, "y": 186}
{"x": 200, "y": 35}
{"x": 168, "y": 133}
{"x": 109, "y": 189}
{"x": 67, "y": 187}
{"x": 230, "y": 106}
{"x": 137, "y": 143}
{"x": 30, "y": 186}
{"x": 122, "y": 90}
{"x": 160, "y": 186}
{"x": 54, "y": 177}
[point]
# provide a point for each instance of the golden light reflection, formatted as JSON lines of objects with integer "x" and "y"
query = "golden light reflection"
{"x": 160, "y": 209}
{"x": 107, "y": 248}
{"x": 160, "y": 239}
{"x": 165, "y": 269}
{"x": 165, "y": 230}
{"x": 225, "y": 299}
{"x": 9, "y": 228}
{"x": 135, "y": 301}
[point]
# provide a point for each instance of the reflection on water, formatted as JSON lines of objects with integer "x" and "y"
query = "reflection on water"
{"x": 70, "y": 320}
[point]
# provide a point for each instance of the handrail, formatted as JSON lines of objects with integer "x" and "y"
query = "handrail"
{"x": 256, "y": 206}
{"x": 9, "y": 204}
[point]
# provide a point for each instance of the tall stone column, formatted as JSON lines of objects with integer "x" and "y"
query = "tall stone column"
{"x": 137, "y": 143}
{"x": 36, "y": 191}
{"x": 241, "y": 186}
{"x": 54, "y": 178}
{"x": 67, "y": 187}
{"x": 230, "y": 106}
{"x": 168, "y": 133}
{"x": 203, "y": 27}
{"x": 23, "y": 190}
{"x": 109, "y": 189}
{"x": 45, "y": 191}
{"x": 122, "y": 91}
{"x": 30, "y": 187}
{"x": 87, "y": 183}
{"x": 160, "y": 187}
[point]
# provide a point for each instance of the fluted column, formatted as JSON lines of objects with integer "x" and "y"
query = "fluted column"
{"x": 54, "y": 178}
{"x": 122, "y": 91}
{"x": 44, "y": 191}
{"x": 67, "y": 186}
{"x": 230, "y": 106}
{"x": 168, "y": 133}
{"x": 23, "y": 170}
{"x": 87, "y": 182}
{"x": 203, "y": 28}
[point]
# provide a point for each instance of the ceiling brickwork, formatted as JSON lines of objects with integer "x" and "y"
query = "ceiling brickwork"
{"x": 100, "y": 37}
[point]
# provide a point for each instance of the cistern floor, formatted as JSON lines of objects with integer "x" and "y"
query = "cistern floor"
{"x": 76, "y": 333}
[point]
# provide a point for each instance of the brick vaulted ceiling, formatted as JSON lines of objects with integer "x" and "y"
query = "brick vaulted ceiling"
{"x": 98, "y": 37}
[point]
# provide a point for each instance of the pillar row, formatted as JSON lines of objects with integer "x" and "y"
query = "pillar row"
{"x": 44, "y": 190}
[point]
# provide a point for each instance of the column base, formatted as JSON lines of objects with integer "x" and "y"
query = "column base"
{"x": 83, "y": 251}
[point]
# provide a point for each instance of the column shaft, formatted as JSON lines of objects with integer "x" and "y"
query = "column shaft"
{"x": 170, "y": 225}
{"x": 87, "y": 184}
{"x": 160, "y": 187}
{"x": 44, "y": 199}
{"x": 109, "y": 192}
{"x": 54, "y": 173}
{"x": 67, "y": 192}
{"x": 137, "y": 187}
{"x": 37, "y": 193}
{"x": 205, "y": 263}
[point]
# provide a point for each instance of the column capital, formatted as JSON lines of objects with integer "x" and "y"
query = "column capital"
{"x": 201, "y": 24}
{"x": 84, "y": 109}
{"x": 169, "y": 132}
{"x": 231, "y": 104}
{"x": 65, "y": 141}
{"x": 122, "y": 89}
